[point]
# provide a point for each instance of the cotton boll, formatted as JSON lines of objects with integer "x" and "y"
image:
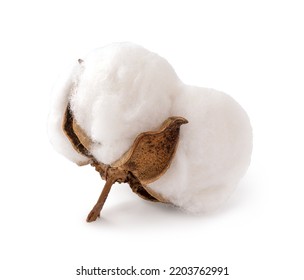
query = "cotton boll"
{"x": 122, "y": 91}
{"x": 214, "y": 150}
{"x": 61, "y": 93}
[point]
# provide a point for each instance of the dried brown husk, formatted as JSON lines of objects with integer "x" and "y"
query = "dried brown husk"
{"x": 147, "y": 159}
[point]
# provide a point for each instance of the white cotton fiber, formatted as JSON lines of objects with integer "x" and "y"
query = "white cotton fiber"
{"x": 214, "y": 150}
{"x": 61, "y": 94}
{"x": 123, "y": 89}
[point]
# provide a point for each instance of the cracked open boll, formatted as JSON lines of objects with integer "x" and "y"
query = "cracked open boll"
{"x": 124, "y": 110}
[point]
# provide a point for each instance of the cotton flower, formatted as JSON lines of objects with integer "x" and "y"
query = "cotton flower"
{"x": 122, "y": 90}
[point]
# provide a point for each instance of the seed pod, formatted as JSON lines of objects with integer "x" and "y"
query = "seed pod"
{"x": 147, "y": 159}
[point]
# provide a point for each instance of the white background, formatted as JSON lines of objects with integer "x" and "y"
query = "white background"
{"x": 253, "y": 50}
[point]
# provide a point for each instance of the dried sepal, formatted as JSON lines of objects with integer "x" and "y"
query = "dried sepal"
{"x": 152, "y": 152}
{"x": 75, "y": 134}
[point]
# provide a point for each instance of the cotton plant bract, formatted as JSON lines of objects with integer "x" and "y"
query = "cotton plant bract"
{"x": 117, "y": 104}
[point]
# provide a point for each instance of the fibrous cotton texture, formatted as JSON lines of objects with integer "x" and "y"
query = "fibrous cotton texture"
{"x": 122, "y": 90}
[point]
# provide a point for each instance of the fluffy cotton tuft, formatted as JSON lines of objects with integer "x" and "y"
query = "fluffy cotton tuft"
{"x": 123, "y": 89}
{"x": 61, "y": 93}
{"x": 214, "y": 150}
